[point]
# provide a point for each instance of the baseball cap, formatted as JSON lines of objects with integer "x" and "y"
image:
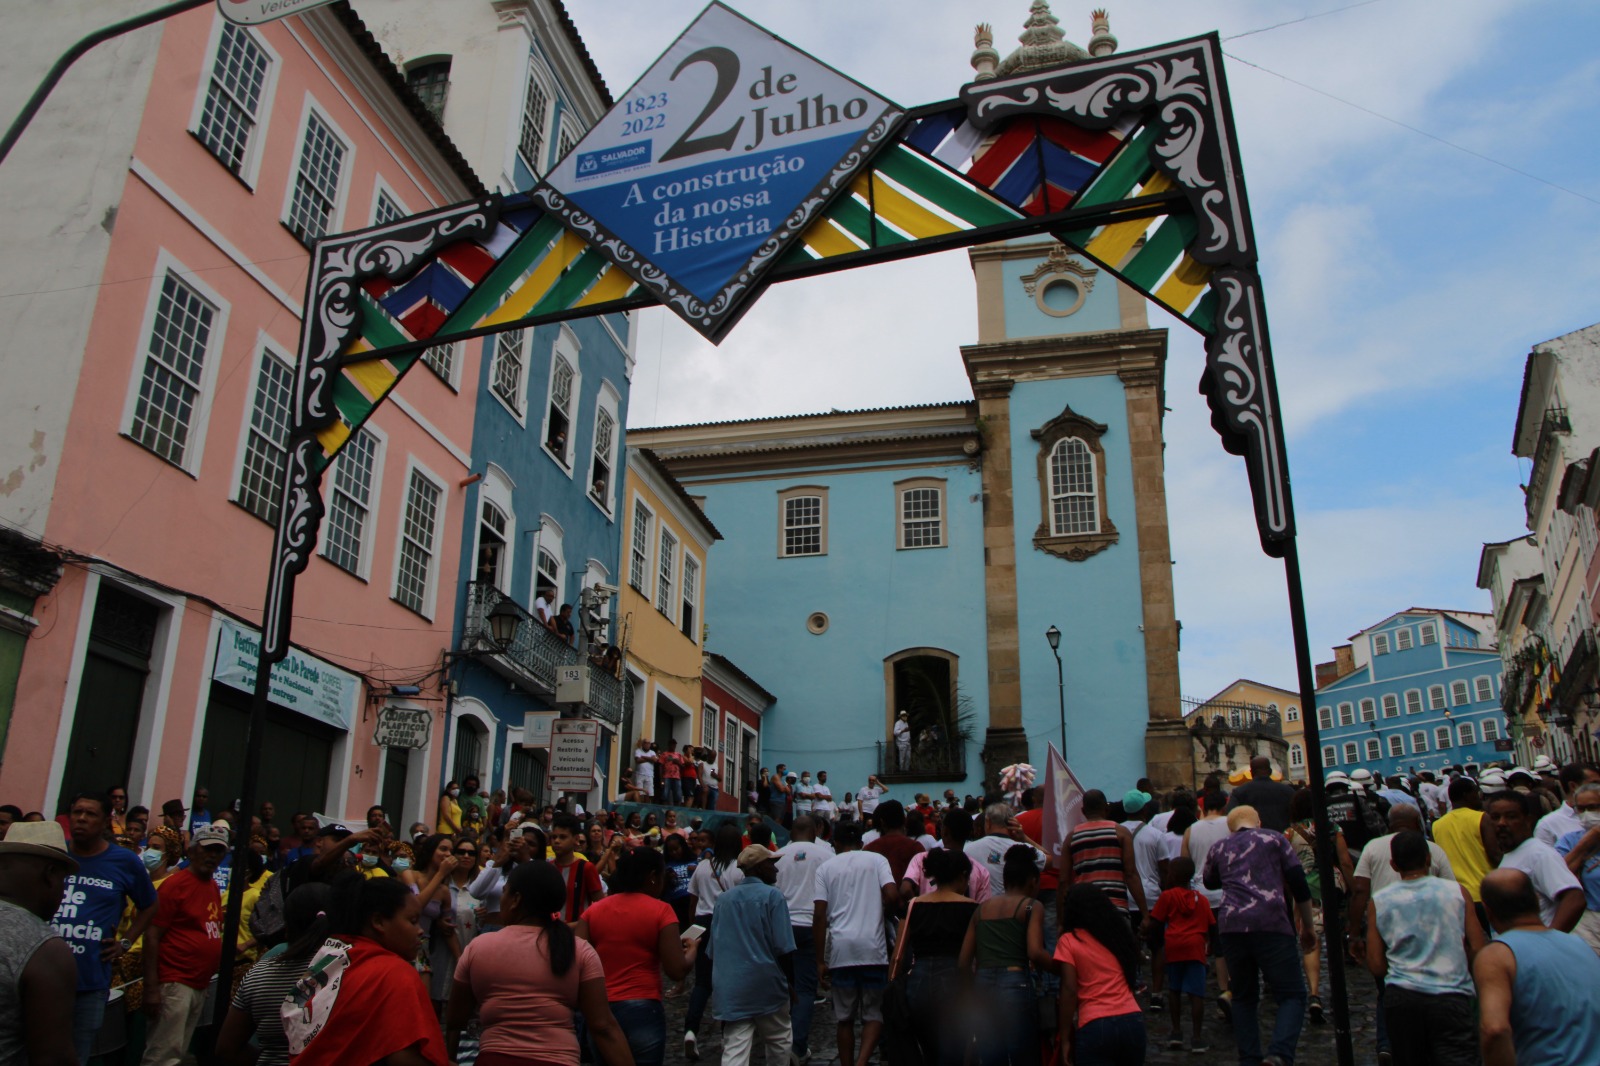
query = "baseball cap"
{"x": 752, "y": 856}
{"x": 174, "y": 809}
{"x": 334, "y": 830}
{"x": 792, "y": 776}
{"x": 44, "y": 840}
{"x": 213, "y": 835}
{"x": 1133, "y": 800}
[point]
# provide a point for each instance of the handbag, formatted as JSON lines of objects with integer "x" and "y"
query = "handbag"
{"x": 898, "y": 1042}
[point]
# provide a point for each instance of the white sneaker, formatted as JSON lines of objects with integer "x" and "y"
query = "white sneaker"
{"x": 690, "y": 1050}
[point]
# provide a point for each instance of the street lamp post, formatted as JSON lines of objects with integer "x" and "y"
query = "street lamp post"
{"x": 1053, "y": 635}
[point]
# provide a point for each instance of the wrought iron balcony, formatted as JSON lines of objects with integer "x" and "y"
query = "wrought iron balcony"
{"x": 931, "y": 762}
{"x": 533, "y": 655}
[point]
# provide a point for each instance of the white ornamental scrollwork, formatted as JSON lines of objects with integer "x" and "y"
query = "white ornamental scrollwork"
{"x": 332, "y": 320}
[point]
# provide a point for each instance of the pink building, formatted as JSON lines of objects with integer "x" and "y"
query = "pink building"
{"x": 160, "y": 209}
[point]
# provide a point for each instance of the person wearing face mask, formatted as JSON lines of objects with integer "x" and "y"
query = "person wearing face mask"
{"x": 401, "y": 858}
{"x": 804, "y": 795}
{"x": 1581, "y": 851}
{"x": 449, "y": 821}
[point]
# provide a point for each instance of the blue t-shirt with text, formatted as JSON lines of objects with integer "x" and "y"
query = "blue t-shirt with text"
{"x": 91, "y": 908}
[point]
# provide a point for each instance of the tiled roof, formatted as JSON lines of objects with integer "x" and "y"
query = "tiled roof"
{"x": 682, "y": 494}
{"x": 793, "y": 418}
{"x": 583, "y": 53}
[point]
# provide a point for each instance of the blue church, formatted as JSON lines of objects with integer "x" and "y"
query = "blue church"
{"x": 1418, "y": 691}
{"x": 927, "y": 564}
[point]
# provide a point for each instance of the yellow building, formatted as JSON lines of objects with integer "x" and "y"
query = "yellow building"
{"x": 1242, "y": 721}
{"x": 660, "y": 609}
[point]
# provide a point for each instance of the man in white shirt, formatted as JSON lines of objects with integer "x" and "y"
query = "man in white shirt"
{"x": 1560, "y": 894}
{"x": 644, "y": 768}
{"x": 902, "y": 741}
{"x": 1375, "y": 871}
{"x": 1004, "y": 833}
{"x": 804, "y": 794}
{"x": 544, "y": 605}
{"x": 1564, "y": 819}
{"x": 854, "y": 890}
{"x": 798, "y": 863}
{"x": 822, "y": 798}
{"x": 867, "y": 799}
{"x": 1434, "y": 797}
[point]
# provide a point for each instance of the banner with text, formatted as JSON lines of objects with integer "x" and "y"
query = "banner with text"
{"x": 300, "y": 683}
{"x": 573, "y": 743}
{"x": 255, "y": 12}
{"x": 714, "y": 162}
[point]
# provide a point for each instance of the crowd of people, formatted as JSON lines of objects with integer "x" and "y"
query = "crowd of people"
{"x": 942, "y": 933}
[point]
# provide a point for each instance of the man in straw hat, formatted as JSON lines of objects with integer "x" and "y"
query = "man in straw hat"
{"x": 38, "y": 975}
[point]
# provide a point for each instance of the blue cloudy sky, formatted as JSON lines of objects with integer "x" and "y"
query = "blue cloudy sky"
{"x": 1408, "y": 271}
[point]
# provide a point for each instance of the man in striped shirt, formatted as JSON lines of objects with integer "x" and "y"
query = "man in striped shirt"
{"x": 1099, "y": 852}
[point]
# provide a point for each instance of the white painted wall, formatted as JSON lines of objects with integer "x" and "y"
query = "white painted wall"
{"x": 60, "y": 188}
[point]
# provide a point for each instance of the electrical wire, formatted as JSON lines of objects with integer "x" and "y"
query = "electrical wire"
{"x": 1302, "y": 18}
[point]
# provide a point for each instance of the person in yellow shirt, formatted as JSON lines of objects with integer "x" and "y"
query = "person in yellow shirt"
{"x": 449, "y": 820}
{"x": 1468, "y": 839}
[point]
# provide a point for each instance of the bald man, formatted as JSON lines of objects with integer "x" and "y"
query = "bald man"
{"x": 1535, "y": 984}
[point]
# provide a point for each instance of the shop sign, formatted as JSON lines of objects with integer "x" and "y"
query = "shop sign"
{"x": 573, "y": 742}
{"x": 403, "y": 727}
{"x": 255, "y": 12}
{"x": 301, "y": 683}
{"x": 716, "y": 160}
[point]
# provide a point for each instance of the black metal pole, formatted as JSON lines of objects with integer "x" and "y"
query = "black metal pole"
{"x": 1061, "y": 701}
{"x": 1332, "y": 921}
{"x": 76, "y": 52}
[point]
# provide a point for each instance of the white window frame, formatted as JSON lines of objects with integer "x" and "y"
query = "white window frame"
{"x": 607, "y": 400}
{"x": 194, "y": 451}
{"x": 799, "y": 492}
{"x": 1347, "y": 713}
{"x": 1380, "y": 644}
{"x": 1397, "y": 746}
{"x": 1297, "y": 756}
{"x": 1490, "y": 730}
{"x": 1369, "y": 709}
{"x": 1436, "y": 698}
{"x": 1374, "y": 749}
{"x": 1404, "y": 639}
{"x": 536, "y": 72}
{"x": 451, "y": 380}
{"x": 1460, "y": 692}
{"x": 902, "y": 523}
{"x": 1324, "y": 717}
{"x": 1414, "y": 701}
{"x": 1442, "y": 738}
{"x": 431, "y": 593}
{"x": 346, "y": 170}
{"x": 1466, "y": 734}
{"x": 1430, "y": 633}
{"x": 380, "y": 450}
{"x": 566, "y": 346}
{"x": 1292, "y": 714}
{"x": 250, "y": 166}
{"x": 1419, "y": 741}
{"x": 1391, "y": 705}
{"x": 382, "y": 191}
{"x": 666, "y": 572}
{"x": 1479, "y": 684}
{"x": 1330, "y": 755}
{"x": 640, "y": 555}
{"x": 551, "y": 540}
{"x": 1093, "y": 495}
{"x": 1352, "y": 753}
{"x": 496, "y": 488}
{"x": 689, "y": 591}
{"x": 266, "y": 348}
{"x": 519, "y": 341}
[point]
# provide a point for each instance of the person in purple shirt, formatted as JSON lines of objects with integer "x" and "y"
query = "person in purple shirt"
{"x": 1257, "y": 872}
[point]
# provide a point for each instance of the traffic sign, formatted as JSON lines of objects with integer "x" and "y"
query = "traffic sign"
{"x": 573, "y": 742}
{"x": 255, "y": 12}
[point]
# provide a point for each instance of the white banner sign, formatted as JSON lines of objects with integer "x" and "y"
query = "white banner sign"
{"x": 300, "y": 683}
{"x": 714, "y": 162}
{"x": 573, "y": 742}
{"x": 536, "y": 728}
{"x": 255, "y": 12}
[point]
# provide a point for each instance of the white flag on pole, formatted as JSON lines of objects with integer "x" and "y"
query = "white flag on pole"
{"x": 1063, "y": 802}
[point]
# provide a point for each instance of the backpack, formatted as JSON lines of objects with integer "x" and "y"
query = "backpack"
{"x": 266, "y": 920}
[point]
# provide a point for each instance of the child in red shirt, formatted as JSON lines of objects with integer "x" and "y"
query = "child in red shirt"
{"x": 1188, "y": 919}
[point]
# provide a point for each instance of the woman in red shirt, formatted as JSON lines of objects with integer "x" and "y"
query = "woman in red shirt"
{"x": 636, "y": 935}
{"x": 1099, "y": 959}
{"x": 362, "y": 1001}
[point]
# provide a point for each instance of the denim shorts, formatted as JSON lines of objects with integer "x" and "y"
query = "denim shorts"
{"x": 1187, "y": 977}
{"x": 858, "y": 992}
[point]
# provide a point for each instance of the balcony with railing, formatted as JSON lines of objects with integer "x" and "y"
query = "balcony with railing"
{"x": 532, "y": 657}
{"x": 933, "y": 761}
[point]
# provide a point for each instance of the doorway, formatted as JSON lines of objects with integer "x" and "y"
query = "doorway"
{"x": 116, "y": 666}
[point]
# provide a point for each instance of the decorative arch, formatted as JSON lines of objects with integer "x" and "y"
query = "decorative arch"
{"x": 925, "y": 682}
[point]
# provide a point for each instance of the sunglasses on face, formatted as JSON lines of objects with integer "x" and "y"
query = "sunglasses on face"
{"x": 466, "y": 851}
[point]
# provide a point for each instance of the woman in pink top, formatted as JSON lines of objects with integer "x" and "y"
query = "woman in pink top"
{"x": 1099, "y": 960}
{"x": 526, "y": 980}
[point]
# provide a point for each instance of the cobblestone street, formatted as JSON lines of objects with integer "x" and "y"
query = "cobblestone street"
{"x": 1315, "y": 1049}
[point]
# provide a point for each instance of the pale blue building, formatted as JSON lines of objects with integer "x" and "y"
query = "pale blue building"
{"x": 912, "y": 559}
{"x": 1420, "y": 691}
